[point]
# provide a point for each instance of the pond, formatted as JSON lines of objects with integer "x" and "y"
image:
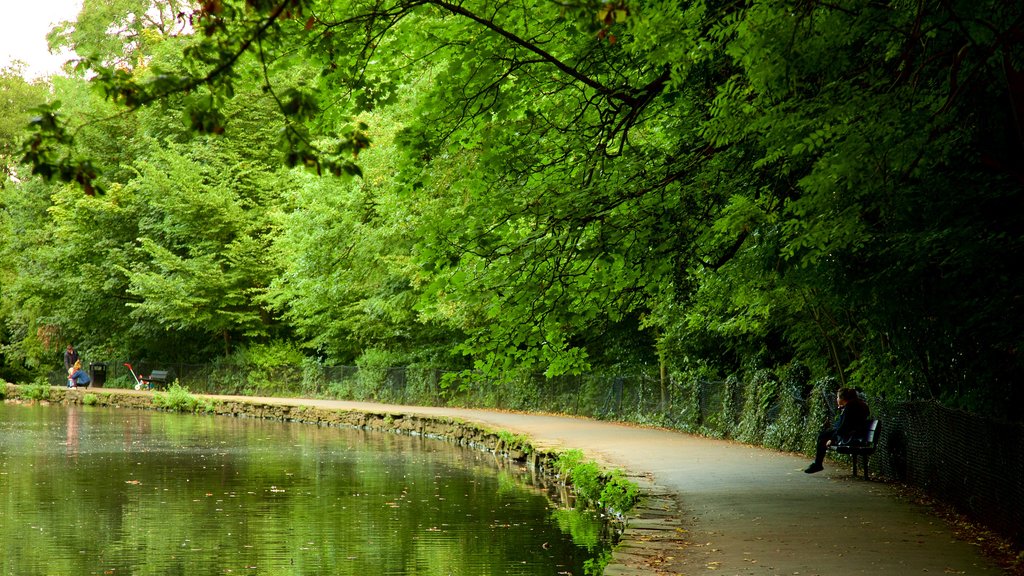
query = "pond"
{"x": 88, "y": 490}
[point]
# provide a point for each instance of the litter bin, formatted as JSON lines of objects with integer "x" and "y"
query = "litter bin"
{"x": 98, "y": 371}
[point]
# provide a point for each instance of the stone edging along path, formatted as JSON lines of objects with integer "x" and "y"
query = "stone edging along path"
{"x": 648, "y": 535}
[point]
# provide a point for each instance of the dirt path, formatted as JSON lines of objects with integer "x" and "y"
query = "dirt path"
{"x": 743, "y": 510}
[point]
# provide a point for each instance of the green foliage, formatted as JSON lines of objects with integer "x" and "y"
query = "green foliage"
{"x": 422, "y": 382}
{"x": 177, "y": 398}
{"x": 270, "y": 368}
{"x": 372, "y": 381}
{"x": 687, "y": 408}
{"x": 39, "y": 390}
{"x": 596, "y": 566}
{"x": 619, "y": 493}
{"x": 586, "y": 481}
{"x": 591, "y": 485}
{"x": 761, "y": 394}
{"x": 510, "y": 441}
{"x": 550, "y": 189}
{"x": 17, "y": 98}
{"x": 788, "y": 430}
{"x": 273, "y": 354}
{"x": 90, "y": 399}
{"x": 575, "y": 522}
{"x": 202, "y": 241}
{"x": 823, "y": 394}
{"x": 517, "y": 390}
{"x": 729, "y": 415}
{"x": 313, "y": 378}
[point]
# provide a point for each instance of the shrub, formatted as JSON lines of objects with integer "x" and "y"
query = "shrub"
{"x": 688, "y": 407}
{"x": 177, "y": 398}
{"x": 612, "y": 491}
{"x": 90, "y": 399}
{"x": 522, "y": 391}
{"x": 761, "y": 395}
{"x": 585, "y": 476}
{"x": 730, "y": 399}
{"x": 510, "y": 441}
{"x": 787, "y": 431}
{"x": 568, "y": 460}
{"x": 274, "y": 354}
{"x": 423, "y": 383}
{"x": 313, "y": 378}
{"x": 619, "y": 494}
{"x": 372, "y": 378}
{"x": 587, "y": 481}
{"x": 818, "y": 416}
{"x": 38, "y": 390}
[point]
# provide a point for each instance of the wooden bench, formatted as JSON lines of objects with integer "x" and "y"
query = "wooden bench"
{"x": 864, "y": 445}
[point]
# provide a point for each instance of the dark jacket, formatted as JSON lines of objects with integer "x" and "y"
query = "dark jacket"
{"x": 852, "y": 421}
{"x": 70, "y": 357}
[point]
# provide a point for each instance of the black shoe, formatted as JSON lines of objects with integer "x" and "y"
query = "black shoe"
{"x": 814, "y": 467}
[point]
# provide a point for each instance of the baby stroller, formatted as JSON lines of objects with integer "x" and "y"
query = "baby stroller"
{"x": 141, "y": 382}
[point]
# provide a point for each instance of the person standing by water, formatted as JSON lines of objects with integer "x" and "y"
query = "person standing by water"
{"x": 853, "y": 416}
{"x": 70, "y": 357}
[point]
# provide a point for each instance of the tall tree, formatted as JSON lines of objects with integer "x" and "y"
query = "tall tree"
{"x": 17, "y": 99}
{"x": 787, "y": 179}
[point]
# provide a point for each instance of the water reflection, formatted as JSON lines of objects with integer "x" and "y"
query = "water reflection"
{"x": 73, "y": 416}
{"x": 103, "y": 491}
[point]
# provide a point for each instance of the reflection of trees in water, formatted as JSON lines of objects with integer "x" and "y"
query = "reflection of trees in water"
{"x": 206, "y": 494}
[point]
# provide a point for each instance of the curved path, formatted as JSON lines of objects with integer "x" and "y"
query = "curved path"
{"x": 733, "y": 508}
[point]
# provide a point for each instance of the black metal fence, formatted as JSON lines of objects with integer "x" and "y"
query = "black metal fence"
{"x": 968, "y": 460}
{"x": 973, "y": 462}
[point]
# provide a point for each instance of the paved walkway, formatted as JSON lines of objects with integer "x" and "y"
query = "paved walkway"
{"x": 743, "y": 510}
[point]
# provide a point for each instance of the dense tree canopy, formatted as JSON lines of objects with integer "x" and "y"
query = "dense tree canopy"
{"x": 557, "y": 187}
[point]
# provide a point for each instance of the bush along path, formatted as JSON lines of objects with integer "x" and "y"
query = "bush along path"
{"x": 704, "y": 504}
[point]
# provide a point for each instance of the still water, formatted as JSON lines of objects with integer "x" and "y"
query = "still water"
{"x": 128, "y": 492}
